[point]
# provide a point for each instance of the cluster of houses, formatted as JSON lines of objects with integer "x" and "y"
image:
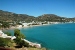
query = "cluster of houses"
{"x": 35, "y": 23}
{"x": 24, "y": 24}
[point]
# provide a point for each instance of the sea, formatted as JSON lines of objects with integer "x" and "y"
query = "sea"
{"x": 53, "y": 36}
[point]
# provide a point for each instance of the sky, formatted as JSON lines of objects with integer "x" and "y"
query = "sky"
{"x": 63, "y": 8}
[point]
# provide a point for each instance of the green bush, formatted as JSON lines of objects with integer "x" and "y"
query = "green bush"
{"x": 21, "y": 43}
{"x": 18, "y": 34}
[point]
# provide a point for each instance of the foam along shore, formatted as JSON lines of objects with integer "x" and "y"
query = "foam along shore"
{"x": 5, "y": 35}
{"x": 33, "y": 44}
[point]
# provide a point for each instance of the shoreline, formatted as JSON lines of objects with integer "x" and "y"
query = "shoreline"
{"x": 22, "y": 27}
{"x": 17, "y": 27}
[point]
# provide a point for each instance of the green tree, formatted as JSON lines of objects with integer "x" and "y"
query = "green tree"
{"x": 18, "y": 34}
{"x": 19, "y": 37}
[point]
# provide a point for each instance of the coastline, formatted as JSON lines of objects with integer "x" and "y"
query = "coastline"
{"x": 36, "y": 46}
{"x": 23, "y": 27}
{"x": 19, "y": 27}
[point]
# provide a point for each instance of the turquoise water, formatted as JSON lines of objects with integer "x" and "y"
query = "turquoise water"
{"x": 55, "y": 37}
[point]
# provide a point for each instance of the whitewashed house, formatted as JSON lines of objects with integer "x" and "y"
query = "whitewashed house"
{"x": 26, "y": 24}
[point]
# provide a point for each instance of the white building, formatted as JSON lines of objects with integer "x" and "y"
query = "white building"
{"x": 26, "y": 24}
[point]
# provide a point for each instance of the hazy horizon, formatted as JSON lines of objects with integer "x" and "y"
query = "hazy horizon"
{"x": 63, "y": 8}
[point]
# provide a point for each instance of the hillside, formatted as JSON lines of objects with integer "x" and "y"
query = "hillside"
{"x": 10, "y": 16}
{"x": 49, "y": 17}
